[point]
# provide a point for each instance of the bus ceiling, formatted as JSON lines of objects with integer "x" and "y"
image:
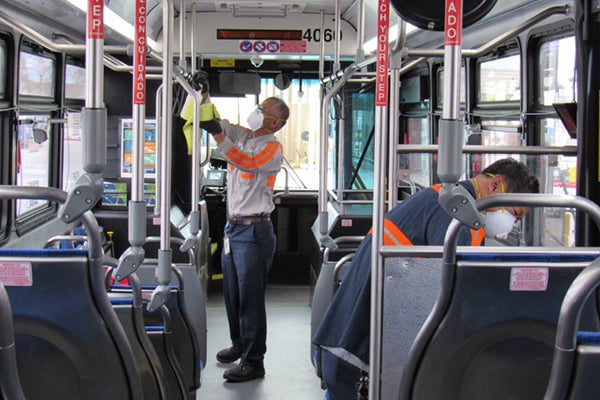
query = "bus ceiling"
{"x": 282, "y": 30}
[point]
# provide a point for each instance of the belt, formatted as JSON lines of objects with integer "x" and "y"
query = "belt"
{"x": 249, "y": 220}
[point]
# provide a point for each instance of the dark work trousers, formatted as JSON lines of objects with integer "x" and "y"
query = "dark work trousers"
{"x": 246, "y": 261}
{"x": 341, "y": 378}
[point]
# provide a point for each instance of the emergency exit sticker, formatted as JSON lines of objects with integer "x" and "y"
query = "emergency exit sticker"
{"x": 528, "y": 279}
{"x": 16, "y": 273}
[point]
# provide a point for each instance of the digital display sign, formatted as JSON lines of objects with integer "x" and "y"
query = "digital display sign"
{"x": 126, "y": 129}
{"x": 265, "y": 34}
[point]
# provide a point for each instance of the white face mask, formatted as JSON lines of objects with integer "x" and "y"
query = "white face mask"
{"x": 255, "y": 119}
{"x": 498, "y": 224}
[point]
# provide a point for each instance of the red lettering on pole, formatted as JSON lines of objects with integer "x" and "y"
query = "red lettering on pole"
{"x": 95, "y": 19}
{"x": 381, "y": 87}
{"x": 453, "y": 26}
{"x": 139, "y": 59}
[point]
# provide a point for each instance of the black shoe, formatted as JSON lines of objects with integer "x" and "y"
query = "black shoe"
{"x": 244, "y": 372}
{"x": 229, "y": 355}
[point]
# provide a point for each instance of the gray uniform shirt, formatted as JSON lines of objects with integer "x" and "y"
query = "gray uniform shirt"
{"x": 253, "y": 167}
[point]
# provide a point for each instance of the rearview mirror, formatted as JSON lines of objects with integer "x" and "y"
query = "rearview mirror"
{"x": 39, "y": 135}
{"x": 282, "y": 81}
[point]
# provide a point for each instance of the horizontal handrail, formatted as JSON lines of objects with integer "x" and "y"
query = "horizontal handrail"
{"x": 478, "y": 149}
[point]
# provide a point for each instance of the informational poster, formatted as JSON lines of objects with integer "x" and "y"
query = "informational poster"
{"x": 126, "y": 130}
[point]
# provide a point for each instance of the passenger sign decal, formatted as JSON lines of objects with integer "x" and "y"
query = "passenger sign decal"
{"x": 95, "y": 19}
{"x": 139, "y": 60}
{"x": 528, "y": 279}
{"x": 245, "y": 46}
{"x": 272, "y": 46}
{"x": 16, "y": 273}
{"x": 381, "y": 85}
{"x": 259, "y": 46}
{"x": 453, "y": 26}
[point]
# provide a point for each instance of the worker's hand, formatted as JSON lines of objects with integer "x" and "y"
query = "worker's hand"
{"x": 212, "y": 126}
{"x": 208, "y": 111}
{"x": 199, "y": 81}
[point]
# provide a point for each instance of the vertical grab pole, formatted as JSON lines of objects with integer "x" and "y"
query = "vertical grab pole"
{"x": 89, "y": 187}
{"x": 193, "y": 40}
{"x": 360, "y": 32}
{"x": 161, "y": 293}
{"x": 381, "y": 102}
{"x": 182, "y": 62}
{"x": 194, "y": 218}
{"x": 396, "y": 55}
{"x": 454, "y": 198}
{"x": 338, "y": 24}
{"x": 323, "y": 146}
{"x": 133, "y": 257}
{"x": 159, "y": 118}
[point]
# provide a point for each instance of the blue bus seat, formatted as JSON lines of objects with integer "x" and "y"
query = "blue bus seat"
{"x": 584, "y": 383}
{"x": 65, "y": 324}
{"x": 10, "y": 383}
{"x": 128, "y": 307}
{"x": 193, "y": 301}
{"x": 576, "y": 359}
{"x": 334, "y": 266}
{"x": 187, "y": 342}
{"x": 163, "y": 341}
{"x": 491, "y": 333}
{"x": 410, "y": 289}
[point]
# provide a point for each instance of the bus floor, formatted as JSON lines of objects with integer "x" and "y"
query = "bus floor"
{"x": 289, "y": 372}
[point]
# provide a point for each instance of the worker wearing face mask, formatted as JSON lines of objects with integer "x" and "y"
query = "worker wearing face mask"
{"x": 343, "y": 334}
{"x": 254, "y": 156}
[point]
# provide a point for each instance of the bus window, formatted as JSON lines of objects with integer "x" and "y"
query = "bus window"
{"x": 440, "y": 86}
{"x": 363, "y": 123}
{"x": 500, "y": 79}
{"x": 33, "y": 160}
{"x": 417, "y": 166}
{"x": 72, "y": 151}
{"x": 499, "y": 133}
{"x": 36, "y": 75}
{"x": 557, "y": 81}
{"x": 75, "y": 82}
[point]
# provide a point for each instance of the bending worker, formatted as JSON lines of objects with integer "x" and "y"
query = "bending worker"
{"x": 419, "y": 220}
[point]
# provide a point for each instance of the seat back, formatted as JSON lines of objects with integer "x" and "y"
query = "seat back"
{"x": 128, "y": 306}
{"x": 64, "y": 323}
{"x": 498, "y": 330}
{"x": 10, "y": 383}
{"x": 330, "y": 275}
{"x": 189, "y": 278}
{"x": 410, "y": 290}
{"x": 576, "y": 359}
{"x": 186, "y": 339}
{"x": 162, "y": 339}
{"x": 491, "y": 332}
{"x": 60, "y": 329}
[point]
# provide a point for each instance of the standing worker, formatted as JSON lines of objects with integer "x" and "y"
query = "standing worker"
{"x": 255, "y": 157}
